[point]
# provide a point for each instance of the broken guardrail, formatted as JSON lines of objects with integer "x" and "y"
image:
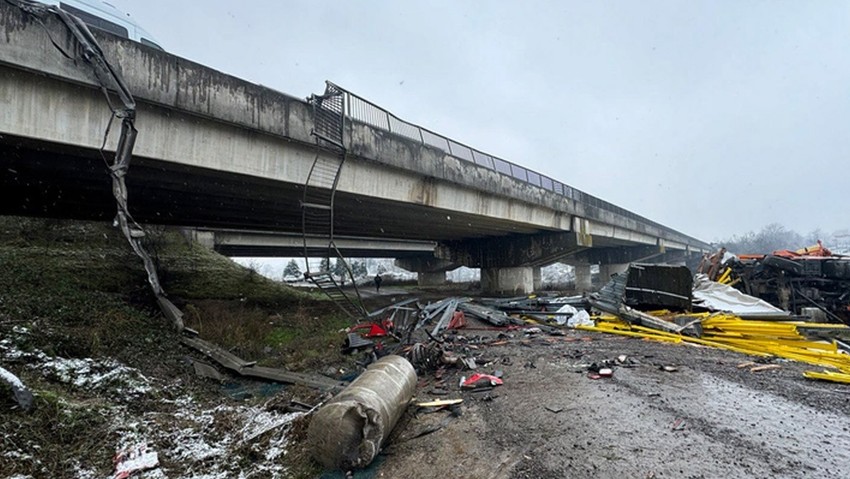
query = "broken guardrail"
{"x": 88, "y": 51}
{"x": 250, "y": 369}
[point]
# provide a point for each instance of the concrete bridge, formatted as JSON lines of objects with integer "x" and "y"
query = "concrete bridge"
{"x": 218, "y": 152}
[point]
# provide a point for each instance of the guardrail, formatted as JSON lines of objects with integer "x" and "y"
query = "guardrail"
{"x": 364, "y": 111}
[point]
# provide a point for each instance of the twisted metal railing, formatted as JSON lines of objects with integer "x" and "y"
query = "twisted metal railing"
{"x": 317, "y": 203}
{"x": 86, "y": 53}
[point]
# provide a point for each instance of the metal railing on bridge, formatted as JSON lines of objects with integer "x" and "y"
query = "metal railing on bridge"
{"x": 362, "y": 110}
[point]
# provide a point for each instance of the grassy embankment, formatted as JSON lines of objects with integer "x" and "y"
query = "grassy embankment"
{"x": 77, "y": 291}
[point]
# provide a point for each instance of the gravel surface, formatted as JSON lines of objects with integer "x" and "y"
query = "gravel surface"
{"x": 707, "y": 419}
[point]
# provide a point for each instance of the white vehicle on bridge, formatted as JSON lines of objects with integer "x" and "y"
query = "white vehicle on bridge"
{"x": 105, "y": 16}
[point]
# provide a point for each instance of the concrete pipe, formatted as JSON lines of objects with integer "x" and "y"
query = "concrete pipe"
{"x": 349, "y": 430}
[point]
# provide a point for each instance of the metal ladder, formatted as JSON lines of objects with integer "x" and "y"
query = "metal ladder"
{"x": 317, "y": 204}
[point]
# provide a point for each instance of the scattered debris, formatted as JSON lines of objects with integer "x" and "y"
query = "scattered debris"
{"x": 828, "y": 376}
{"x": 354, "y": 342}
{"x": 612, "y": 298}
{"x": 134, "y": 459}
{"x": 453, "y": 412}
{"x": 679, "y": 424}
{"x": 438, "y": 403}
{"x": 754, "y": 337}
{"x": 597, "y": 371}
{"x": 580, "y": 318}
{"x": 721, "y": 297}
{"x": 766, "y": 367}
{"x": 428, "y": 356}
{"x": 469, "y": 363}
{"x": 488, "y": 314}
{"x": 374, "y": 330}
{"x": 479, "y": 380}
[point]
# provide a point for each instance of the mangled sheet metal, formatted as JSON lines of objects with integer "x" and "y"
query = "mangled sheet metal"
{"x": 446, "y": 313}
{"x": 534, "y": 303}
{"x": 612, "y": 299}
{"x": 488, "y": 314}
{"x": 720, "y": 297}
{"x": 658, "y": 286}
{"x": 348, "y": 431}
{"x": 560, "y": 310}
{"x": 87, "y": 51}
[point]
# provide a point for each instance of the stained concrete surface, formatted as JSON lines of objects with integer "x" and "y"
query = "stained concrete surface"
{"x": 708, "y": 419}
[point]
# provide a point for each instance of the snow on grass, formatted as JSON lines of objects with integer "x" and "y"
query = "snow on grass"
{"x": 202, "y": 441}
{"x": 11, "y": 379}
{"x": 210, "y": 439}
{"x": 95, "y": 375}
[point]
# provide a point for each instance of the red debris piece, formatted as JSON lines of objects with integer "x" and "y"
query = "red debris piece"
{"x": 134, "y": 459}
{"x": 458, "y": 321}
{"x": 481, "y": 380}
{"x": 374, "y": 330}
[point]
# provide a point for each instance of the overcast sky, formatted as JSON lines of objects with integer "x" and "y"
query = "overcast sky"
{"x": 714, "y": 118}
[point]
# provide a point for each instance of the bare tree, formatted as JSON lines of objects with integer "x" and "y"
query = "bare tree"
{"x": 771, "y": 238}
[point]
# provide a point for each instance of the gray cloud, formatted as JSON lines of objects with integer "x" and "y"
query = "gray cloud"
{"x": 714, "y": 118}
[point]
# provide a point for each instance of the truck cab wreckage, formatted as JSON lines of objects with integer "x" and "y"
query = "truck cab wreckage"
{"x": 810, "y": 282}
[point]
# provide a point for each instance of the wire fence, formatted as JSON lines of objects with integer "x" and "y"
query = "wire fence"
{"x": 364, "y": 111}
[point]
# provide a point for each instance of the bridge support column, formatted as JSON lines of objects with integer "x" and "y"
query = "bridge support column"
{"x": 537, "y": 281}
{"x": 607, "y": 270}
{"x": 583, "y": 278}
{"x": 431, "y": 278}
{"x": 429, "y": 270}
{"x": 203, "y": 238}
{"x": 516, "y": 280}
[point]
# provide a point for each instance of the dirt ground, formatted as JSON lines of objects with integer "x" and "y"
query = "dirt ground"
{"x": 707, "y": 419}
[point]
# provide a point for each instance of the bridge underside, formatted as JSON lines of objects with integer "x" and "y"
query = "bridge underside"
{"x": 52, "y": 180}
{"x": 276, "y": 244}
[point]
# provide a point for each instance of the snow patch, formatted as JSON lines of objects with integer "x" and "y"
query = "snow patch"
{"x": 205, "y": 440}
{"x": 96, "y": 375}
{"x": 11, "y": 379}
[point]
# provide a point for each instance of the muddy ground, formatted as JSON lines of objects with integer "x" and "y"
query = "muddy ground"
{"x": 708, "y": 419}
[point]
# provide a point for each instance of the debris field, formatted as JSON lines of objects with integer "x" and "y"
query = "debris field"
{"x": 659, "y": 374}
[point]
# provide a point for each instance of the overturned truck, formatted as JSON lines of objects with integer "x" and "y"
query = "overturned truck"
{"x": 809, "y": 282}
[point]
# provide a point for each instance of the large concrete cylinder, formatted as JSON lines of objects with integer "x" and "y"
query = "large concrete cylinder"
{"x": 349, "y": 430}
